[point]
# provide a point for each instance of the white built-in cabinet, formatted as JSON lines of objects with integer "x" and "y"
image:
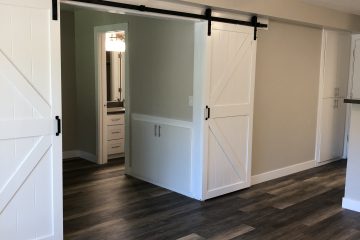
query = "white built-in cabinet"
{"x": 161, "y": 152}
{"x": 333, "y": 89}
{"x": 115, "y": 126}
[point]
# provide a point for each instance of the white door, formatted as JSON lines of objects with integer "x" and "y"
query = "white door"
{"x": 336, "y": 63}
{"x": 228, "y": 134}
{"x": 30, "y": 98}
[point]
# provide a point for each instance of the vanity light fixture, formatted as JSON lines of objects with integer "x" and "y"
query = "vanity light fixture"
{"x": 114, "y": 42}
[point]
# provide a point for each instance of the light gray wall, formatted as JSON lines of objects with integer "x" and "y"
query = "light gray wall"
{"x": 68, "y": 83}
{"x": 286, "y": 96}
{"x": 161, "y": 69}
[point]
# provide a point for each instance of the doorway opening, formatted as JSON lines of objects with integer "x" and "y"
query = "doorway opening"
{"x": 114, "y": 124}
{"x": 111, "y": 72}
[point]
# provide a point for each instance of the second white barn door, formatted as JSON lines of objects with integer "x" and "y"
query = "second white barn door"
{"x": 231, "y": 79}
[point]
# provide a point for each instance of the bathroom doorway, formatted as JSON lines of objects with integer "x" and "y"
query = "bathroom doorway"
{"x": 111, "y": 71}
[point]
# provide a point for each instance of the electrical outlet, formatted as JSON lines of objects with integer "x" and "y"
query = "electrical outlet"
{"x": 191, "y": 101}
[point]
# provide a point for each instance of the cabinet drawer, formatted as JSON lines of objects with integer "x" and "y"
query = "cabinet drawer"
{"x": 115, "y": 132}
{"x": 115, "y": 146}
{"x": 115, "y": 119}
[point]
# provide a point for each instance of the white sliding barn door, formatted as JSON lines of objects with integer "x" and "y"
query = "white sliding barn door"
{"x": 30, "y": 98}
{"x": 231, "y": 76}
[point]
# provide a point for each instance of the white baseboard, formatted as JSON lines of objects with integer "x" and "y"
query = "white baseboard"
{"x": 282, "y": 172}
{"x": 351, "y": 204}
{"x": 79, "y": 154}
{"x": 71, "y": 154}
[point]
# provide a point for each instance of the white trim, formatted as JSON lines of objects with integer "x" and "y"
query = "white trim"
{"x": 162, "y": 120}
{"x": 351, "y": 204}
{"x": 23, "y": 85}
{"x": 320, "y": 97}
{"x": 56, "y": 110}
{"x": 8, "y": 191}
{"x": 80, "y": 154}
{"x": 71, "y": 154}
{"x": 12, "y": 129}
{"x": 282, "y": 172}
{"x": 197, "y": 152}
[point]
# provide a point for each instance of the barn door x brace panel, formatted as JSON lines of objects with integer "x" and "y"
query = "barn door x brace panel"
{"x": 207, "y": 14}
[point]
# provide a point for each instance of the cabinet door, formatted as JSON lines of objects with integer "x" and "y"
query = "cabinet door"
{"x": 161, "y": 154}
{"x": 336, "y": 63}
{"x": 174, "y": 157}
{"x": 341, "y": 124}
{"x": 333, "y": 129}
{"x": 144, "y": 147}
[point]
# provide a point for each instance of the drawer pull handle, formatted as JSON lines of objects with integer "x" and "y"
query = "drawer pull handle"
{"x": 117, "y": 119}
{"x": 114, "y": 132}
{"x": 115, "y": 147}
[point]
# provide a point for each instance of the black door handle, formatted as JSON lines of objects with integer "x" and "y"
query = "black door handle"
{"x": 207, "y": 109}
{"x": 58, "y": 125}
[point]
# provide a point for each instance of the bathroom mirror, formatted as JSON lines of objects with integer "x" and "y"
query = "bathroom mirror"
{"x": 115, "y": 66}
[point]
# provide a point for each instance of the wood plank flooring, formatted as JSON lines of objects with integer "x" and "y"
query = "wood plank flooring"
{"x": 100, "y": 202}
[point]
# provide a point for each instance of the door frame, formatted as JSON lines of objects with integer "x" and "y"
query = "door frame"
{"x": 320, "y": 97}
{"x": 100, "y": 91}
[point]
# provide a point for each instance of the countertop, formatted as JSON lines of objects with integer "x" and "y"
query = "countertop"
{"x": 352, "y": 100}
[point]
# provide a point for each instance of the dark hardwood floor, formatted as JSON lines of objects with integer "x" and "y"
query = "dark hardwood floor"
{"x": 100, "y": 202}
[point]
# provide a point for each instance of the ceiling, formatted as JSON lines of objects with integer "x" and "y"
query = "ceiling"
{"x": 349, "y": 6}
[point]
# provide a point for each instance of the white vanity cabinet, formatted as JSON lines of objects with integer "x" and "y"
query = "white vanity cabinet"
{"x": 115, "y": 135}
